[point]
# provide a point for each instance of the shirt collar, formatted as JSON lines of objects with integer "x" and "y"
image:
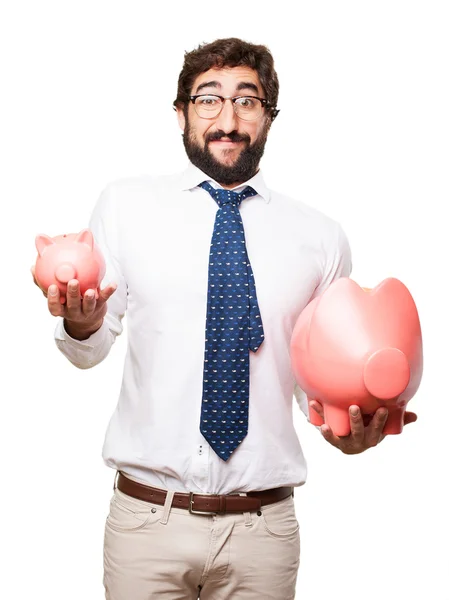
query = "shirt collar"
{"x": 191, "y": 177}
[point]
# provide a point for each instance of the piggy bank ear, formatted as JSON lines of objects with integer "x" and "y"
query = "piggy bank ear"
{"x": 42, "y": 241}
{"x": 85, "y": 237}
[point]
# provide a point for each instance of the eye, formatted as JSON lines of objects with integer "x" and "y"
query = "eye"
{"x": 208, "y": 100}
{"x": 246, "y": 102}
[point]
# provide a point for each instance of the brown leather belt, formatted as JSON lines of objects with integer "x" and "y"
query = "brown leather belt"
{"x": 204, "y": 503}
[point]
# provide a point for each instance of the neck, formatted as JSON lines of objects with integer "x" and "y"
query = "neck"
{"x": 229, "y": 187}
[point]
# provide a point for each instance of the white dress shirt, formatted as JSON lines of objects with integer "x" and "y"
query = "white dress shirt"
{"x": 155, "y": 235}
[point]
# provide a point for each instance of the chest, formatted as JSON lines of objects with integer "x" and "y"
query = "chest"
{"x": 165, "y": 260}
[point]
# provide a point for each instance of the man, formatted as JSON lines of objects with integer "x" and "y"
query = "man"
{"x": 212, "y": 269}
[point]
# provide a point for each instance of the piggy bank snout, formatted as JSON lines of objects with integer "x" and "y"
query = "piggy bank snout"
{"x": 65, "y": 272}
{"x": 386, "y": 373}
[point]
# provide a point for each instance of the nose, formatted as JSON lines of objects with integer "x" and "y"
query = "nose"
{"x": 386, "y": 373}
{"x": 65, "y": 272}
{"x": 227, "y": 120}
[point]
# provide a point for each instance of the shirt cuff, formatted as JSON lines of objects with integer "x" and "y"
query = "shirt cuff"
{"x": 95, "y": 340}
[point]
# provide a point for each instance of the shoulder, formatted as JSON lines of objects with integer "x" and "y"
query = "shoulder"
{"x": 138, "y": 187}
{"x": 131, "y": 184}
{"x": 306, "y": 216}
{"x": 321, "y": 233}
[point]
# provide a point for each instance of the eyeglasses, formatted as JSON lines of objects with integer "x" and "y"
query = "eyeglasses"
{"x": 248, "y": 108}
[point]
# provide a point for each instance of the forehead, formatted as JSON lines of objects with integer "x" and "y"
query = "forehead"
{"x": 228, "y": 78}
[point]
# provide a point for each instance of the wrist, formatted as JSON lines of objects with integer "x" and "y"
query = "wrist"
{"x": 81, "y": 331}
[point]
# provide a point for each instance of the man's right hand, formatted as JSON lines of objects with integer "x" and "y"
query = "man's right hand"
{"x": 82, "y": 316}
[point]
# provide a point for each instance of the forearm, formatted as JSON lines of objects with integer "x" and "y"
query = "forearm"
{"x": 79, "y": 331}
{"x": 86, "y": 352}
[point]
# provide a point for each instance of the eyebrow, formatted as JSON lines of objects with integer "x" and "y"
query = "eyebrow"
{"x": 243, "y": 85}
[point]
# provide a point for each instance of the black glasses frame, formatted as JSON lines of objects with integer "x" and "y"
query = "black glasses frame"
{"x": 263, "y": 101}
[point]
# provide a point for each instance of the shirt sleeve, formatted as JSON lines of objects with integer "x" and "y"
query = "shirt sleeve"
{"x": 338, "y": 264}
{"x": 103, "y": 223}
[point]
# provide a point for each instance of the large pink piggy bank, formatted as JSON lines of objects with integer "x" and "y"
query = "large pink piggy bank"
{"x": 66, "y": 257}
{"x": 352, "y": 345}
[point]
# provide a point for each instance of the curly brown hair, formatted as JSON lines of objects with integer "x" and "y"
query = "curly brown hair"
{"x": 229, "y": 52}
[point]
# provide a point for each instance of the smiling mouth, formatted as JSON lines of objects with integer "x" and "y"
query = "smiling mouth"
{"x": 225, "y": 142}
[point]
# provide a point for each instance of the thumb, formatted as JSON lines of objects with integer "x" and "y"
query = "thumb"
{"x": 107, "y": 292}
{"x": 410, "y": 417}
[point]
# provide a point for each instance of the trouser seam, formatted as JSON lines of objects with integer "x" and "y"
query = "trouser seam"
{"x": 208, "y": 558}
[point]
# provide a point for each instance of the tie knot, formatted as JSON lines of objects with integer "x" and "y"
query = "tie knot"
{"x": 222, "y": 196}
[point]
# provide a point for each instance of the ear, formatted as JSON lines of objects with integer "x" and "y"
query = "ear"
{"x": 42, "y": 241}
{"x": 85, "y": 237}
{"x": 181, "y": 117}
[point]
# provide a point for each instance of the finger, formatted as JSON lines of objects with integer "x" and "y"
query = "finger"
{"x": 54, "y": 301}
{"x": 357, "y": 426}
{"x": 73, "y": 298}
{"x": 89, "y": 303}
{"x": 329, "y": 436}
{"x": 106, "y": 293}
{"x": 374, "y": 430}
{"x": 410, "y": 417}
{"x": 317, "y": 407}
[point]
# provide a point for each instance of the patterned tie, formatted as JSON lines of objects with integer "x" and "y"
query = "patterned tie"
{"x": 233, "y": 327}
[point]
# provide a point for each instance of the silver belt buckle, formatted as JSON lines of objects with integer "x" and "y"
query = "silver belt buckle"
{"x": 192, "y": 511}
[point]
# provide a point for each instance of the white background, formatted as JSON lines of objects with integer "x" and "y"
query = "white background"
{"x": 362, "y": 135}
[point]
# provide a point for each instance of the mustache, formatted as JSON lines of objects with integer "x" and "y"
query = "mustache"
{"x": 234, "y": 136}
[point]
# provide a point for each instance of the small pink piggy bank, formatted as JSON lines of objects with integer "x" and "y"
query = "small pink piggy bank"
{"x": 66, "y": 257}
{"x": 353, "y": 345}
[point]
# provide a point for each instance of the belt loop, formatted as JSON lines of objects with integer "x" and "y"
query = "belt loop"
{"x": 247, "y": 515}
{"x": 115, "y": 480}
{"x": 167, "y": 506}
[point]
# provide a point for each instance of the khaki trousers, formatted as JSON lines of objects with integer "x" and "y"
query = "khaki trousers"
{"x": 166, "y": 553}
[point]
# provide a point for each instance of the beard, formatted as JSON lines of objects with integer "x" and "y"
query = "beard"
{"x": 245, "y": 166}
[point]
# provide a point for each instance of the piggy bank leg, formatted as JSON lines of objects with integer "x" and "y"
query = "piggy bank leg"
{"x": 314, "y": 417}
{"x": 337, "y": 418}
{"x": 395, "y": 421}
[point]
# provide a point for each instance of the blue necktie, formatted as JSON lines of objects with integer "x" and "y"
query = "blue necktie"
{"x": 233, "y": 327}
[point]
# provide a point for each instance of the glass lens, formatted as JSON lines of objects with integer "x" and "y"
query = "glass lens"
{"x": 248, "y": 108}
{"x": 207, "y": 106}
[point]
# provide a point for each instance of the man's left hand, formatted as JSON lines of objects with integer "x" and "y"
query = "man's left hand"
{"x": 366, "y": 432}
